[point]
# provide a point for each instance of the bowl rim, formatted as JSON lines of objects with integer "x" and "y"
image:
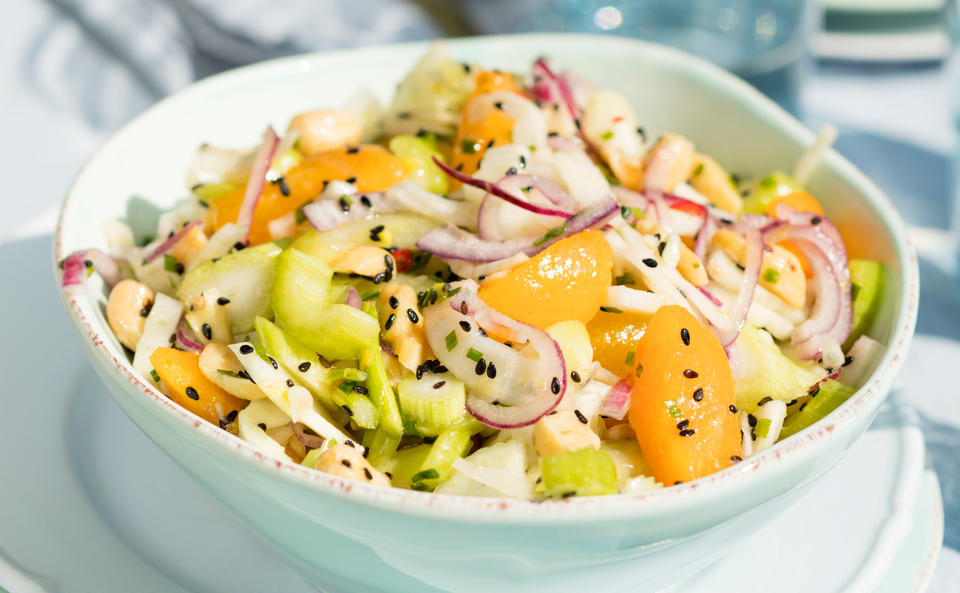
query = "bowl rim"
{"x": 493, "y": 510}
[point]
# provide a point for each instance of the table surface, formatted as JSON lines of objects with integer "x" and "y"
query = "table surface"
{"x": 64, "y": 91}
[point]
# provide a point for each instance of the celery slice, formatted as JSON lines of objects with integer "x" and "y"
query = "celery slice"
{"x": 378, "y": 386}
{"x": 300, "y": 302}
{"x": 585, "y": 472}
{"x": 416, "y": 154}
{"x": 297, "y": 359}
{"x": 407, "y": 463}
{"x": 400, "y": 230}
{"x": 452, "y": 443}
{"x": 433, "y": 400}
{"x": 381, "y": 446}
{"x": 830, "y": 396}
{"x": 866, "y": 279}
{"x": 355, "y": 405}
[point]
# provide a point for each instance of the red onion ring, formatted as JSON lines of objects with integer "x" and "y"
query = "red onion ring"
{"x": 258, "y": 178}
{"x": 75, "y": 269}
{"x": 493, "y": 188}
{"x": 548, "y": 383}
{"x": 546, "y": 186}
{"x": 186, "y": 338}
{"x": 450, "y": 242}
{"x": 616, "y": 403}
{"x": 751, "y": 277}
{"x": 820, "y": 242}
{"x": 567, "y": 96}
{"x": 330, "y": 213}
{"x": 307, "y": 440}
{"x": 168, "y": 244}
{"x": 710, "y": 296}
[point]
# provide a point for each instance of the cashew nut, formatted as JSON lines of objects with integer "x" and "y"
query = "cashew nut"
{"x": 371, "y": 262}
{"x": 127, "y": 309}
{"x": 397, "y": 306}
{"x": 324, "y": 130}
{"x": 711, "y": 180}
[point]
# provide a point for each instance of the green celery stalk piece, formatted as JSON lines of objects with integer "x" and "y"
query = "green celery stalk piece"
{"x": 585, "y": 472}
{"x": 381, "y": 445}
{"x": 378, "y": 385}
{"x": 433, "y": 400}
{"x": 297, "y": 359}
{"x": 866, "y": 279}
{"x": 400, "y": 230}
{"x": 209, "y": 192}
{"x": 452, "y": 443}
{"x": 300, "y": 301}
{"x": 361, "y": 409}
{"x": 831, "y": 395}
{"x": 243, "y": 276}
{"x": 762, "y": 191}
{"x": 417, "y": 154}
{"x": 408, "y": 462}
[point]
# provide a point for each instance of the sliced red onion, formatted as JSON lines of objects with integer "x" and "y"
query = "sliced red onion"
{"x": 820, "y": 242}
{"x": 566, "y": 96}
{"x": 704, "y": 236}
{"x": 493, "y": 188}
{"x": 751, "y": 276}
{"x": 75, "y": 269}
{"x": 710, "y": 296}
{"x": 307, "y": 440}
{"x": 450, "y": 242}
{"x": 168, "y": 243}
{"x": 186, "y": 338}
{"x": 546, "y": 186}
{"x": 753, "y": 221}
{"x": 453, "y": 329}
{"x": 353, "y": 299}
{"x": 258, "y": 178}
{"x": 616, "y": 403}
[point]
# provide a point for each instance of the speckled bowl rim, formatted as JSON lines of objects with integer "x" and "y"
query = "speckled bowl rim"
{"x": 574, "y": 510}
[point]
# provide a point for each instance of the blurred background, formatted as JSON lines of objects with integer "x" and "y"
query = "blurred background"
{"x": 886, "y": 73}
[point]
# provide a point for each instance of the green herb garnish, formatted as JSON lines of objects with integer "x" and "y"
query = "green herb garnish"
{"x": 606, "y": 135}
{"x": 469, "y": 146}
{"x": 626, "y": 278}
{"x": 169, "y": 263}
{"x": 631, "y": 356}
{"x": 451, "y": 341}
{"x": 551, "y": 234}
{"x": 611, "y": 310}
{"x": 474, "y": 355}
{"x": 427, "y": 474}
{"x": 673, "y": 409}
{"x": 154, "y": 376}
{"x": 762, "y": 428}
{"x": 771, "y": 275}
{"x": 229, "y": 373}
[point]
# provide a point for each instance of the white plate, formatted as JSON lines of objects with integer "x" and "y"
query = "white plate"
{"x": 89, "y": 505}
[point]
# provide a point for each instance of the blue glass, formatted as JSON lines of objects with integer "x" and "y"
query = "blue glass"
{"x": 763, "y": 41}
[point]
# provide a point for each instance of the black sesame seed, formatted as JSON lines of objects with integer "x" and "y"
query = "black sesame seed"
{"x": 508, "y": 344}
{"x": 207, "y": 331}
{"x": 464, "y": 308}
{"x": 351, "y": 180}
{"x": 289, "y": 383}
{"x": 439, "y": 384}
{"x": 192, "y": 393}
{"x": 490, "y": 144}
{"x": 733, "y": 409}
{"x": 512, "y": 171}
{"x": 523, "y": 161}
{"x": 262, "y": 426}
{"x": 366, "y": 201}
{"x": 304, "y": 366}
{"x": 393, "y": 302}
{"x": 481, "y": 367}
{"x": 568, "y": 494}
{"x": 555, "y": 386}
{"x": 367, "y": 474}
{"x": 691, "y": 374}
{"x": 491, "y": 371}
{"x": 350, "y": 444}
{"x": 847, "y": 360}
{"x": 736, "y": 458}
{"x": 146, "y": 310}
{"x": 440, "y": 369}
{"x": 173, "y": 338}
{"x": 273, "y": 363}
{"x": 498, "y": 105}
{"x": 282, "y": 184}
{"x": 223, "y": 301}
{"x": 246, "y": 349}
{"x": 765, "y": 401}
{"x": 802, "y": 406}
{"x": 575, "y": 376}
{"x": 650, "y": 262}
{"x": 360, "y": 389}
{"x": 683, "y": 424}
{"x": 816, "y": 220}
{"x": 792, "y": 402}
{"x": 685, "y": 336}
{"x": 347, "y": 410}
{"x": 751, "y": 420}
{"x": 465, "y": 325}
{"x": 346, "y": 463}
{"x": 678, "y": 482}
{"x": 661, "y": 247}
{"x": 420, "y": 370}
{"x": 388, "y": 261}
{"x": 178, "y": 268}
{"x": 814, "y": 390}
{"x": 580, "y": 416}
{"x": 390, "y": 320}
{"x": 688, "y": 432}
{"x": 698, "y": 394}
{"x": 388, "y": 474}
{"x": 412, "y": 315}
{"x": 429, "y": 440}
{"x": 377, "y": 229}
{"x": 353, "y": 150}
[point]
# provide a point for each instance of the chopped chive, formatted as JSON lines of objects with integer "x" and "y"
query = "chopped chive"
{"x": 450, "y": 293}
{"x": 427, "y": 474}
{"x": 551, "y": 234}
{"x": 698, "y": 170}
{"x": 771, "y": 275}
{"x": 436, "y": 278}
{"x": 169, "y": 263}
{"x": 451, "y": 341}
{"x": 347, "y": 386}
{"x": 474, "y": 355}
{"x": 611, "y": 310}
{"x": 631, "y": 356}
{"x": 229, "y": 373}
{"x": 154, "y": 376}
{"x": 626, "y": 278}
{"x": 468, "y": 146}
{"x": 673, "y": 409}
{"x": 762, "y": 428}
{"x": 606, "y": 135}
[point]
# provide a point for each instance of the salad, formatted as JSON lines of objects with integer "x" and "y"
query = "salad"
{"x": 497, "y": 285}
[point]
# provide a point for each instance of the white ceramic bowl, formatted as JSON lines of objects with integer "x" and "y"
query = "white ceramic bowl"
{"x": 352, "y": 536}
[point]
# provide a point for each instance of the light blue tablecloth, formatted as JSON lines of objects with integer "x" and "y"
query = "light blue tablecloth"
{"x": 75, "y": 70}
